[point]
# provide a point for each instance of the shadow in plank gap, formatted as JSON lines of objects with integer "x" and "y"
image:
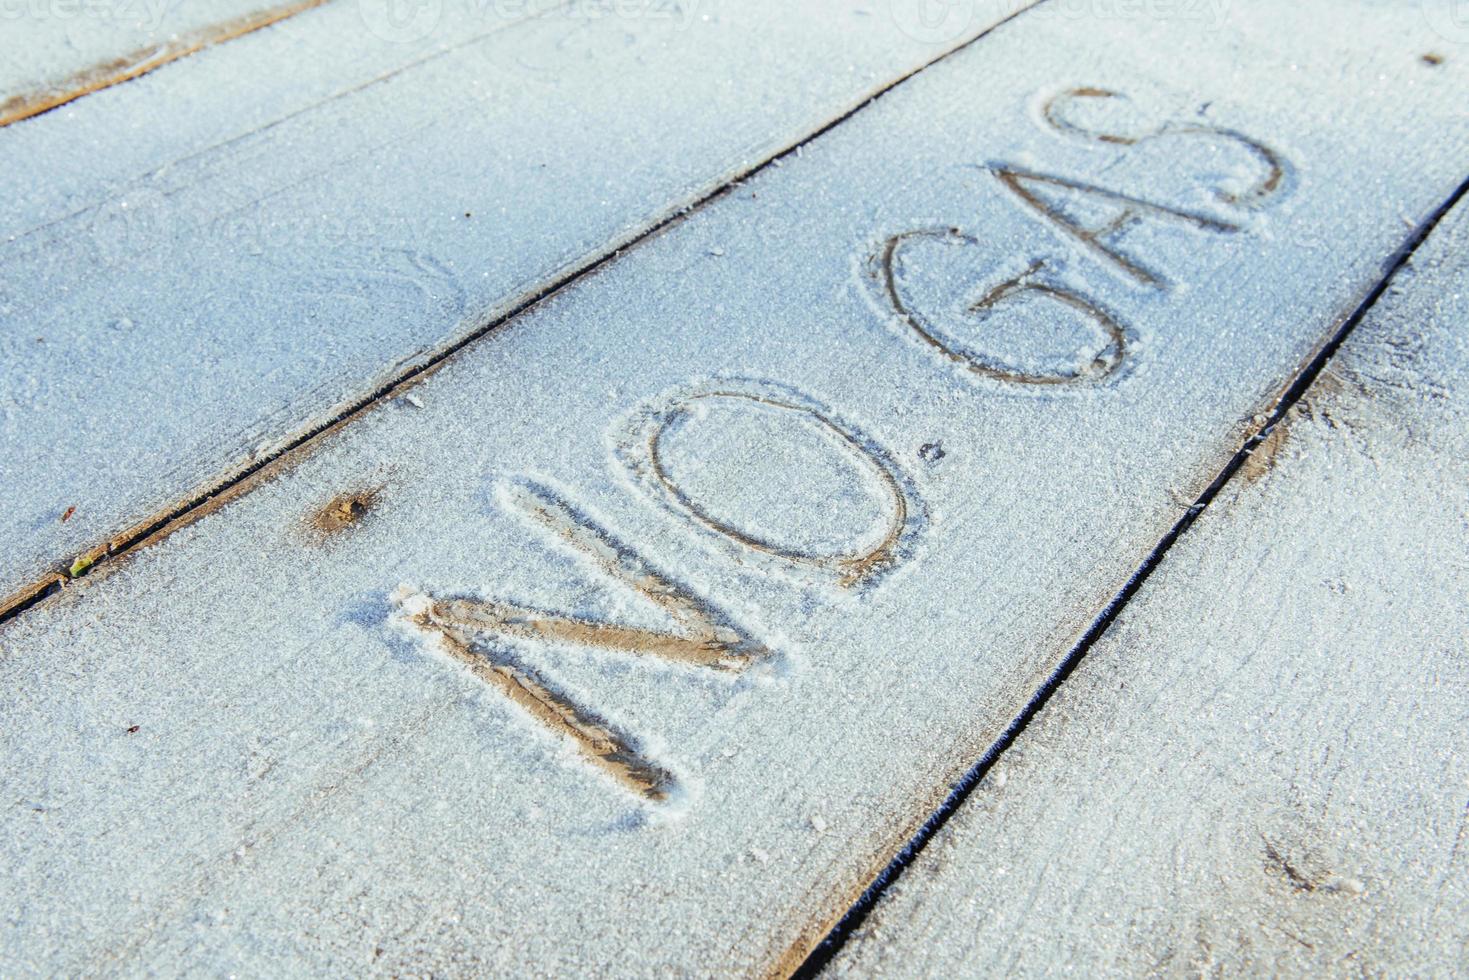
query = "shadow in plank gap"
{"x": 1259, "y": 767}
{"x": 175, "y": 319}
{"x": 641, "y": 634}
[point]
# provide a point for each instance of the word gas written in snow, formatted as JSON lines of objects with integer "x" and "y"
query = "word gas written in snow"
{"x": 921, "y": 279}
{"x": 694, "y": 451}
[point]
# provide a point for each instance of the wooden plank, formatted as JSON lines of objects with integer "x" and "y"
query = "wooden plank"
{"x": 138, "y": 132}
{"x": 1260, "y": 768}
{"x": 58, "y": 51}
{"x": 177, "y": 316}
{"x": 752, "y": 568}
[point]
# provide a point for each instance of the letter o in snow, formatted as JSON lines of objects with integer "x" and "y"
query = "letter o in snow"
{"x": 774, "y": 478}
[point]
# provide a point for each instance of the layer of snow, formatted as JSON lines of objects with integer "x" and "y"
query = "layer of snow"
{"x": 55, "y": 45}
{"x": 226, "y": 756}
{"x": 199, "y": 265}
{"x": 1261, "y": 768}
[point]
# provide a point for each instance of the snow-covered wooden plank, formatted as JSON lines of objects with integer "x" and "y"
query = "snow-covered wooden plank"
{"x": 640, "y": 635}
{"x": 1261, "y": 767}
{"x": 226, "y": 254}
{"x": 57, "y": 51}
{"x": 135, "y": 133}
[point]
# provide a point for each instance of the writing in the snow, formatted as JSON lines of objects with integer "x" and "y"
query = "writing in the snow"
{"x": 913, "y": 287}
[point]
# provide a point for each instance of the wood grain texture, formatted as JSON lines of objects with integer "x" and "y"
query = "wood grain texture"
{"x": 1261, "y": 767}
{"x": 262, "y": 237}
{"x": 245, "y": 750}
{"x": 55, "y": 67}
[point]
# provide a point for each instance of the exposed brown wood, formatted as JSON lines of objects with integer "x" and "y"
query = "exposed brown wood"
{"x": 140, "y": 62}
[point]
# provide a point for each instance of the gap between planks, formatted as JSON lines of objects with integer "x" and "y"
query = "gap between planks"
{"x": 105, "y": 557}
{"x": 28, "y": 105}
{"x": 819, "y": 955}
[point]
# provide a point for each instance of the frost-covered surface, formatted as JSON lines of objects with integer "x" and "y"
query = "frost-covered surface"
{"x": 46, "y": 44}
{"x": 239, "y": 752}
{"x": 200, "y": 264}
{"x": 1261, "y": 769}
